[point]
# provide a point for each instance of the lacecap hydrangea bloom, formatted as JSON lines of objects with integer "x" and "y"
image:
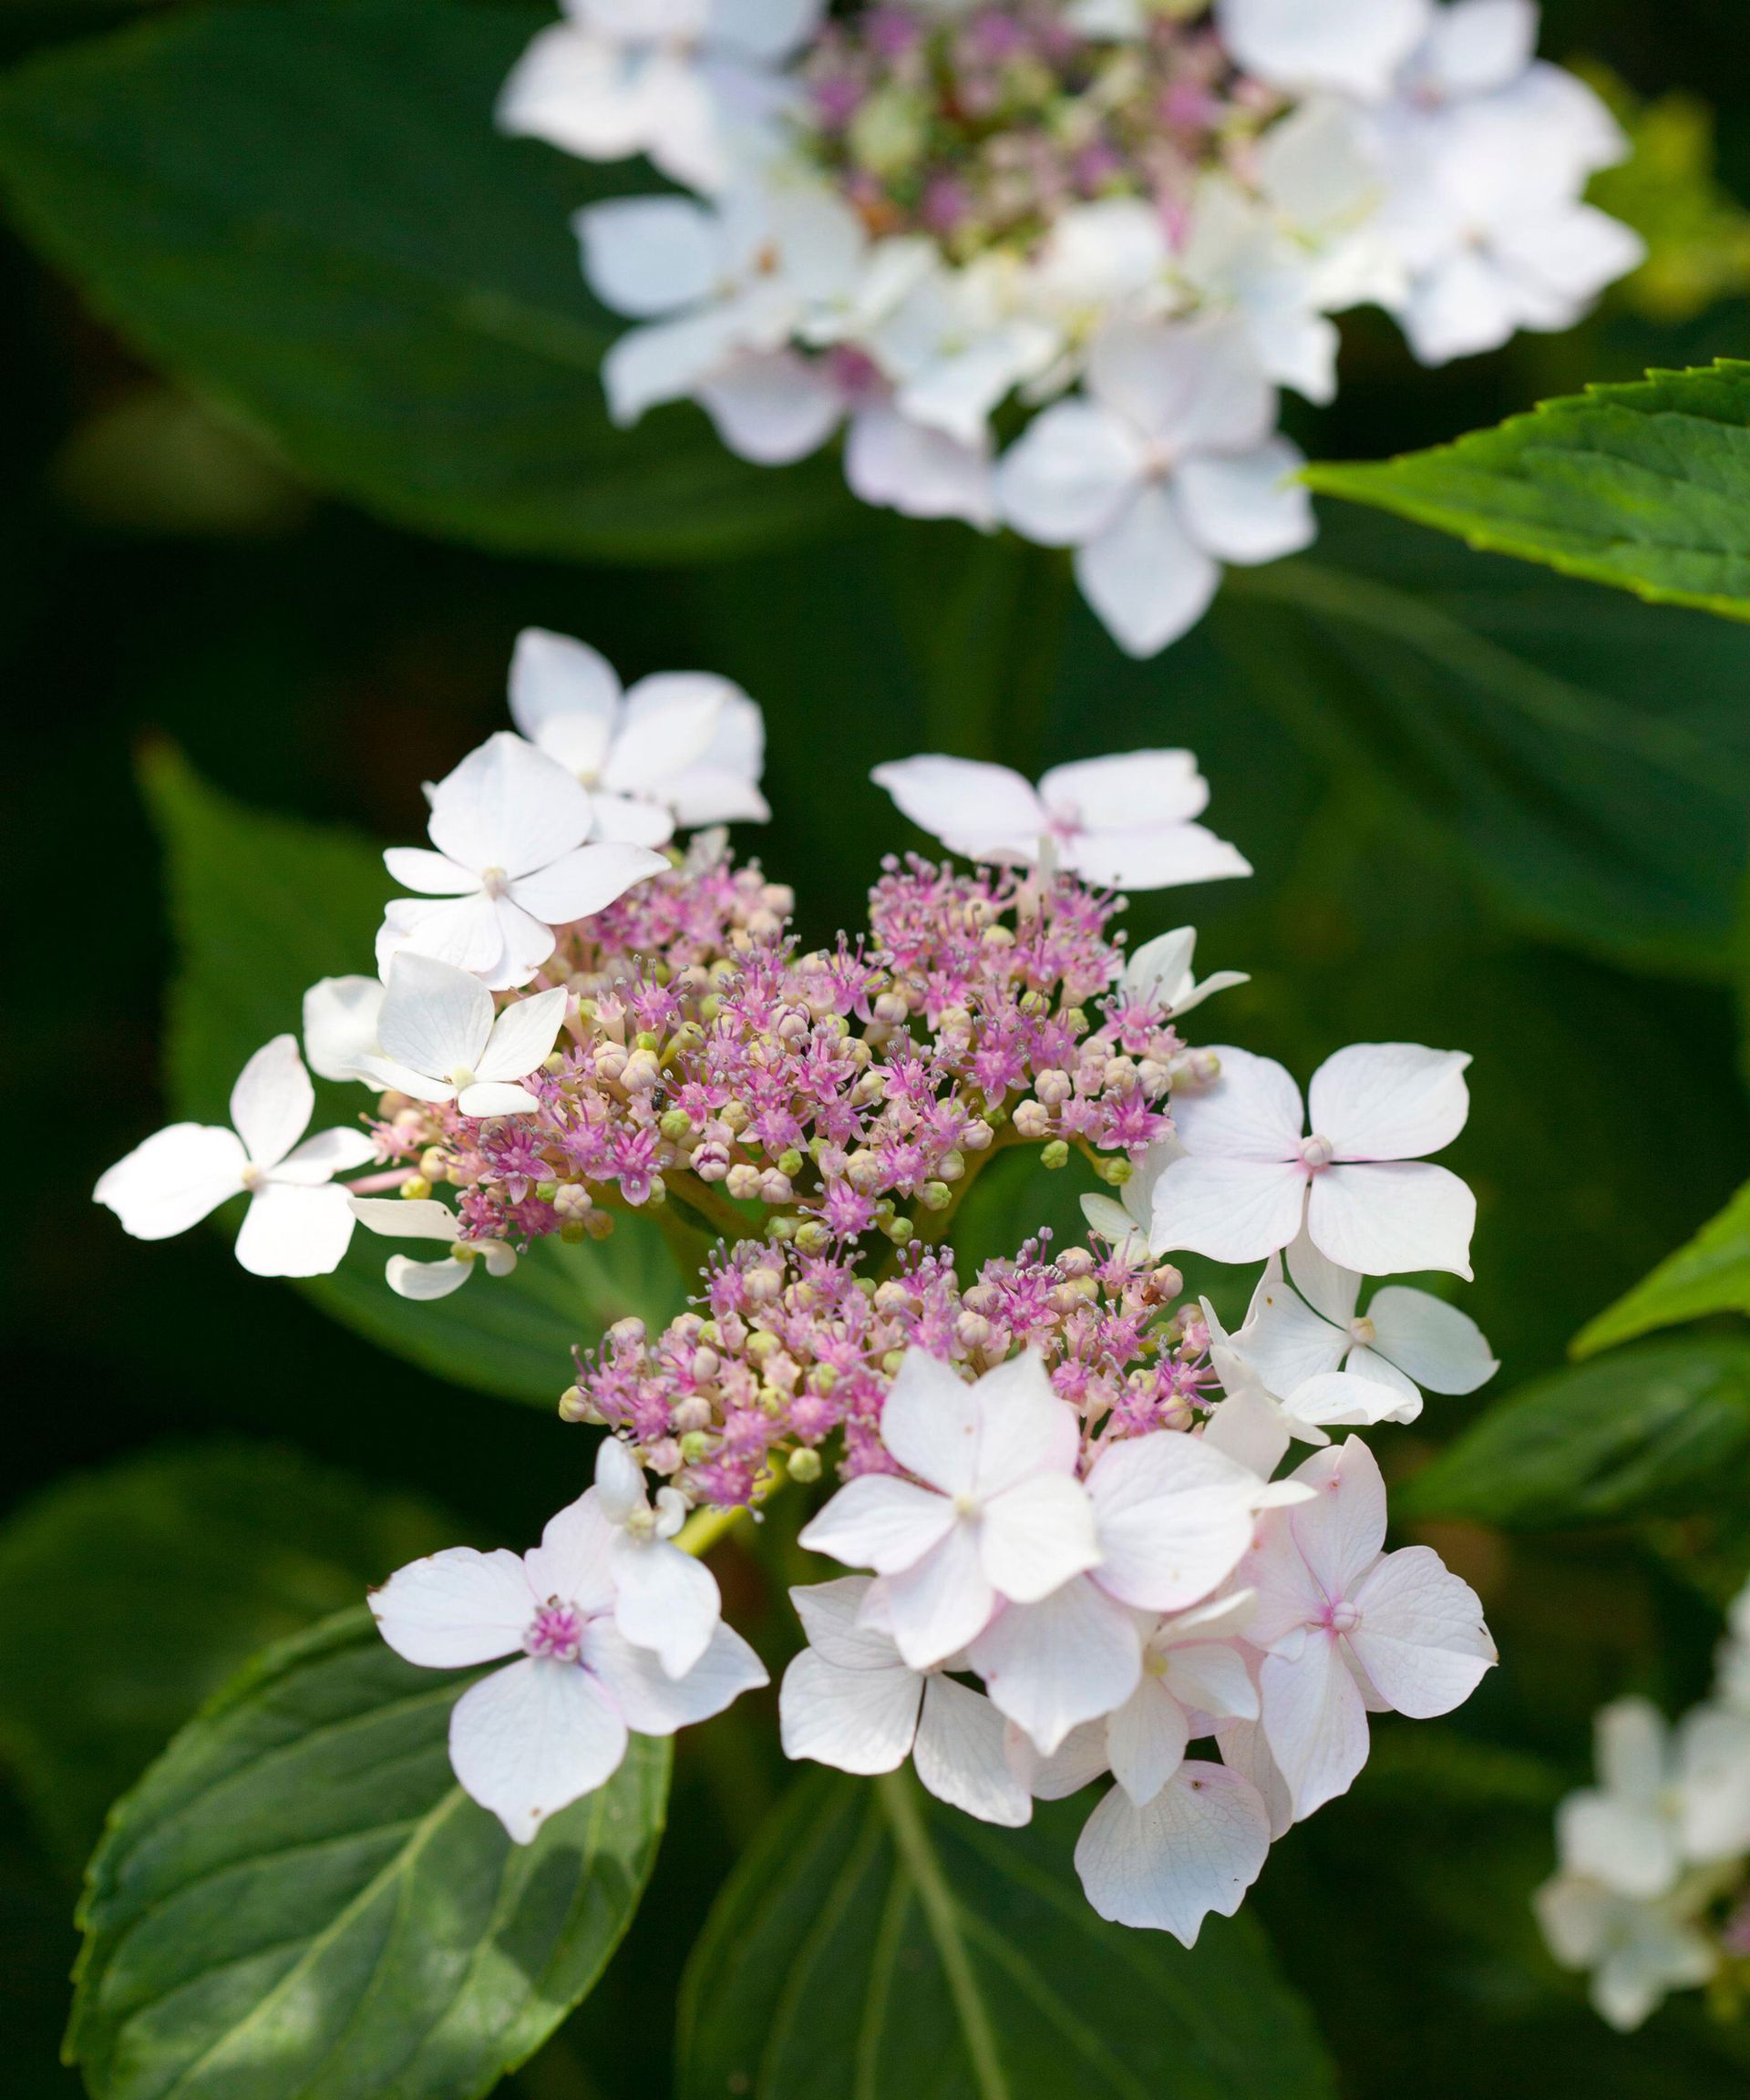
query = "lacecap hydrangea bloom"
{"x": 1652, "y": 1894}
{"x": 1045, "y": 263}
{"x": 1062, "y": 1539}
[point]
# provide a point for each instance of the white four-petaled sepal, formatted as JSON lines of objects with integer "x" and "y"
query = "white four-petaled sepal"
{"x": 398, "y": 1218}
{"x": 664, "y": 1600}
{"x": 1195, "y": 1846}
{"x": 298, "y": 1222}
{"x": 440, "y": 1040}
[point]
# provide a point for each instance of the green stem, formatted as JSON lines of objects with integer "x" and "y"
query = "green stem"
{"x": 705, "y": 1528}
{"x": 899, "y": 1797}
{"x": 716, "y": 1209}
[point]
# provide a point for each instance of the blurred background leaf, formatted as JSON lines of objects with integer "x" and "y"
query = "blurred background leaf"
{"x": 299, "y": 1899}
{"x": 822, "y": 1971}
{"x": 345, "y": 255}
{"x": 1710, "y": 1273}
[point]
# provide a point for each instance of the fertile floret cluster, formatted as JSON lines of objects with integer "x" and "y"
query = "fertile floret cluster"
{"x": 1654, "y": 1892}
{"x": 1056, "y": 1476}
{"x": 1101, "y": 233}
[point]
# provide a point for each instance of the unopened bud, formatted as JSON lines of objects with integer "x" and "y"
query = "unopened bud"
{"x": 1115, "y": 1171}
{"x": 1076, "y": 1261}
{"x": 976, "y": 1136}
{"x": 575, "y": 1406}
{"x": 890, "y": 1009}
{"x": 675, "y": 1124}
{"x": 645, "y": 1040}
{"x": 952, "y": 1167}
{"x": 416, "y": 1188}
{"x": 433, "y": 1163}
{"x": 781, "y": 1231}
{"x": 1032, "y": 1120}
{"x": 804, "y": 1466}
{"x": 657, "y": 1194}
{"x": 627, "y": 1334}
{"x": 736, "y": 1116}
{"x": 789, "y": 1162}
{"x": 899, "y": 1230}
{"x": 774, "y": 1187}
{"x": 935, "y": 1196}
{"x": 695, "y": 1445}
{"x": 572, "y": 1200}
{"x": 742, "y": 1182}
{"x": 598, "y": 1225}
{"x": 812, "y": 1238}
{"x": 762, "y": 1345}
{"x": 1054, "y": 1154}
{"x": 573, "y": 1231}
{"x": 1168, "y": 1281}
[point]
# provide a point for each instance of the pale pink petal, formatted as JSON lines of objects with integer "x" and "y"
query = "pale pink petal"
{"x": 649, "y": 1700}
{"x": 523, "y": 1036}
{"x": 1067, "y": 1659}
{"x": 1245, "y": 1750}
{"x": 974, "y": 809}
{"x": 1146, "y": 1739}
{"x": 670, "y": 722}
{"x": 455, "y": 1608}
{"x": 531, "y": 1739}
{"x": 293, "y": 1230}
{"x": 1035, "y": 1535}
{"x": 930, "y": 1420}
{"x": 1077, "y": 1761}
{"x": 1340, "y": 1533}
{"x": 1176, "y": 1515}
{"x": 340, "y": 1015}
{"x": 1145, "y": 576}
{"x": 1024, "y": 1428}
{"x": 1396, "y": 1216}
{"x": 938, "y": 1606}
{"x": 1421, "y": 1640}
{"x": 961, "y": 1758}
{"x": 1333, "y": 1292}
{"x": 273, "y": 1101}
{"x": 773, "y": 408}
{"x": 510, "y": 807}
{"x": 876, "y": 1521}
{"x": 1230, "y": 1210}
{"x": 584, "y": 880}
{"x": 860, "y": 1721}
{"x": 1434, "y": 1344}
{"x": 1389, "y": 1100}
{"x": 575, "y": 91}
{"x": 1195, "y": 1849}
{"x": 903, "y": 465}
{"x": 1284, "y": 1339}
{"x": 177, "y": 1177}
{"x": 565, "y": 698}
{"x": 468, "y": 935}
{"x": 1315, "y": 1721}
{"x": 436, "y": 1019}
{"x": 574, "y": 1563}
{"x": 1211, "y": 1677}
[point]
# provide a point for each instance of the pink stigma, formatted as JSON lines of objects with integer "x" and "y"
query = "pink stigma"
{"x": 555, "y": 1630}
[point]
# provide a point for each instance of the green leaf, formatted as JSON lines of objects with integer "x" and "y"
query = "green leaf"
{"x": 1645, "y": 486}
{"x": 1711, "y": 1274}
{"x": 127, "y": 1596}
{"x": 1654, "y": 1431}
{"x": 874, "y": 1944}
{"x": 263, "y": 906}
{"x": 1586, "y": 762}
{"x": 298, "y": 1900}
{"x": 306, "y": 215}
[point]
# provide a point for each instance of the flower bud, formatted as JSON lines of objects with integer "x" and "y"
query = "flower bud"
{"x": 675, "y": 1124}
{"x": 899, "y": 1230}
{"x": 572, "y": 1200}
{"x": 742, "y": 1182}
{"x": 575, "y": 1406}
{"x": 781, "y": 1231}
{"x": 1032, "y": 1120}
{"x": 416, "y": 1188}
{"x": 935, "y": 1196}
{"x": 789, "y": 1162}
{"x": 774, "y": 1187}
{"x": 627, "y": 1334}
{"x": 1117, "y": 1170}
{"x": 573, "y": 1232}
{"x": 1054, "y": 1154}
{"x": 433, "y": 1163}
{"x": 804, "y": 1465}
{"x": 813, "y": 1238}
{"x": 951, "y": 1167}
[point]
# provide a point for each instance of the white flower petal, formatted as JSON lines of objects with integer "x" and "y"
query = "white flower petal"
{"x": 436, "y": 1019}
{"x": 1421, "y": 1640}
{"x": 1628, "y": 1846}
{"x": 292, "y": 1231}
{"x": 830, "y": 1615}
{"x": 456, "y": 1608}
{"x": 177, "y": 1177}
{"x": 672, "y": 722}
{"x": 1193, "y": 386}
{"x": 876, "y": 1521}
{"x": 1431, "y": 1342}
{"x": 665, "y": 1601}
{"x": 1147, "y": 578}
{"x": 666, "y": 361}
{"x": 424, "y": 1280}
{"x": 1156, "y": 858}
{"x": 1025, "y": 1428}
{"x": 1251, "y": 1112}
{"x": 1474, "y": 47}
{"x": 1210, "y": 1677}
{"x": 575, "y": 91}
{"x": 1247, "y": 508}
{"x": 1175, "y": 1516}
{"x": 773, "y": 408}
{"x": 1070, "y": 1658}
{"x": 584, "y": 881}
{"x": 1146, "y": 1740}
{"x": 1230, "y": 1210}
{"x": 468, "y": 934}
{"x": 1126, "y": 791}
{"x": 1035, "y": 1535}
{"x": 1350, "y": 1399}
{"x": 1297, "y": 44}
{"x": 574, "y": 1563}
{"x": 523, "y": 1036}
{"x": 1197, "y": 1848}
{"x": 1245, "y": 1750}
{"x": 1285, "y": 1340}
{"x": 960, "y": 1757}
{"x": 627, "y": 820}
{"x": 431, "y": 874}
{"x": 1341, "y": 1531}
{"x": 324, "y": 1154}
{"x": 860, "y": 1721}
{"x": 273, "y": 1101}
{"x": 647, "y": 257}
{"x": 972, "y": 808}
{"x": 340, "y": 1017}
{"x": 938, "y": 1605}
{"x": 1315, "y": 1721}
{"x": 1402, "y": 1214}
{"x": 398, "y": 1218}
{"x": 903, "y": 466}
{"x": 1069, "y": 474}
{"x": 565, "y": 698}
{"x": 510, "y": 807}
{"x": 531, "y": 1739}
{"x": 930, "y": 1420}
{"x": 1389, "y": 1100}
{"x": 654, "y": 1703}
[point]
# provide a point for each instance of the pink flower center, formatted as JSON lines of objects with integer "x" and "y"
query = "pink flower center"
{"x": 555, "y": 1630}
{"x": 1341, "y": 1617}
